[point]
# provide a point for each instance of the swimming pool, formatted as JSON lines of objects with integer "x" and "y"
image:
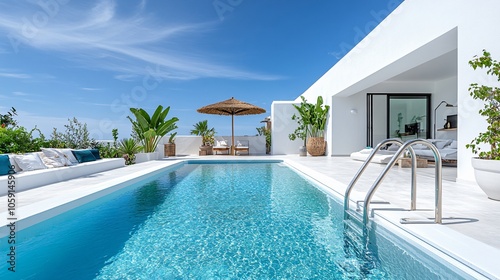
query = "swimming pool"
{"x": 224, "y": 220}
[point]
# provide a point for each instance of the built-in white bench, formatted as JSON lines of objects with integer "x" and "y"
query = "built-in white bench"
{"x": 26, "y": 180}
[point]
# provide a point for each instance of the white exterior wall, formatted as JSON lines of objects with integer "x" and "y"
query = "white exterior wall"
{"x": 281, "y": 126}
{"x": 348, "y": 130}
{"x": 444, "y": 90}
{"x": 416, "y": 32}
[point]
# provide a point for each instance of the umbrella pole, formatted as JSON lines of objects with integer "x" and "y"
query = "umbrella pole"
{"x": 232, "y": 134}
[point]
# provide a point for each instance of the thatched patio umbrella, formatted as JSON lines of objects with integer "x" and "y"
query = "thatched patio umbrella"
{"x": 231, "y": 107}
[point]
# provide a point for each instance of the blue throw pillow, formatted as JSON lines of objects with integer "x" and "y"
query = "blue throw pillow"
{"x": 95, "y": 152}
{"x": 5, "y": 165}
{"x": 83, "y": 155}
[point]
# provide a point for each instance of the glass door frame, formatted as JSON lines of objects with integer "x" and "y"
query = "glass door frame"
{"x": 369, "y": 112}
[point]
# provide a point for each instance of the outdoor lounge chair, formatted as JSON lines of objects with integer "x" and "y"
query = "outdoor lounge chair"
{"x": 242, "y": 146}
{"x": 221, "y": 146}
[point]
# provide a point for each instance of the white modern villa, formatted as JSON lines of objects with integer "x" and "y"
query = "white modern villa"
{"x": 413, "y": 60}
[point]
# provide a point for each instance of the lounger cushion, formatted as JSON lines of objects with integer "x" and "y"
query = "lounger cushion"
{"x": 366, "y": 151}
{"x": 83, "y": 155}
{"x": 5, "y": 165}
{"x": 29, "y": 162}
{"x": 50, "y": 162}
{"x": 440, "y": 143}
{"x": 95, "y": 152}
{"x": 56, "y": 156}
{"x": 13, "y": 162}
{"x": 382, "y": 156}
{"x": 69, "y": 155}
{"x": 453, "y": 145}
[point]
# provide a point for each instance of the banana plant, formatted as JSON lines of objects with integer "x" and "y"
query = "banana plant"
{"x": 319, "y": 116}
{"x": 311, "y": 119}
{"x": 150, "y": 129}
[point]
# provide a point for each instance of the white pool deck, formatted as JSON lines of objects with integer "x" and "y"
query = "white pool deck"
{"x": 470, "y": 231}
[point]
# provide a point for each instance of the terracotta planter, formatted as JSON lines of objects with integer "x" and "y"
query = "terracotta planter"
{"x": 487, "y": 174}
{"x": 169, "y": 150}
{"x": 316, "y": 146}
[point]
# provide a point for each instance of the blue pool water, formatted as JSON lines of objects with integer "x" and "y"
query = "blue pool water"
{"x": 212, "y": 221}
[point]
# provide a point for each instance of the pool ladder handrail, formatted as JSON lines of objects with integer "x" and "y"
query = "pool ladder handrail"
{"x": 406, "y": 146}
{"x": 438, "y": 190}
{"x": 368, "y": 160}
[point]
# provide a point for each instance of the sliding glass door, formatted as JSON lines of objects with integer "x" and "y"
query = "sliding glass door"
{"x": 405, "y": 116}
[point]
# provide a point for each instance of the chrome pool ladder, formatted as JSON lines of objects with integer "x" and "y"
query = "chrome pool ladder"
{"x": 403, "y": 147}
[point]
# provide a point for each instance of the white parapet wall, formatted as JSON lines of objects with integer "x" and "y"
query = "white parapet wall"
{"x": 186, "y": 145}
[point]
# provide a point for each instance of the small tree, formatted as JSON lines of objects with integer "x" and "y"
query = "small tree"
{"x": 207, "y": 134}
{"x": 491, "y": 110}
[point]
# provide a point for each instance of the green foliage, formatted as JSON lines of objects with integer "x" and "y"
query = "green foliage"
{"x": 311, "y": 119}
{"x": 171, "y": 139}
{"x": 109, "y": 150}
{"x": 18, "y": 140}
{"x": 37, "y": 143}
{"x": 150, "y": 129}
{"x": 301, "y": 130}
{"x": 8, "y": 119}
{"x": 128, "y": 148}
{"x": 491, "y": 110}
{"x": 207, "y": 135}
{"x": 76, "y": 136}
{"x": 267, "y": 133}
{"x": 14, "y": 140}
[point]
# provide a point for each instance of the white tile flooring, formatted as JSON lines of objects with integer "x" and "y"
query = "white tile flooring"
{"x": 471, "y": 221}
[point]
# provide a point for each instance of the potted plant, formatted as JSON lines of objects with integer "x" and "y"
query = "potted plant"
{"x": 150, "y": 129}
{"x": 207, "y": 136}
{"x": 312, "y": 124}
{"x": 487, "y": 164}
{"x": 128, "y": 148}
{"x": 170, "y": 146}
{"x": 300, "y": 132}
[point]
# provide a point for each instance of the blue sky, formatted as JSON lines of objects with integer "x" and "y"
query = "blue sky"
{"x": 93, "y": 60}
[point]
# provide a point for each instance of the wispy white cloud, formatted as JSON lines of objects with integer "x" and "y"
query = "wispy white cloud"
{"x": 14, "y": 75}
{"x": 126, "y": 77}
{"x": 92, "y": 89}
{"x": 98, "y": 37}
{"x": 19, "y": 93}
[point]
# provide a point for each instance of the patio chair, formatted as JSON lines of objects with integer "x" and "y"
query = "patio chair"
{"x": 221, "y": 146}
{"x": 242, "y": 146}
